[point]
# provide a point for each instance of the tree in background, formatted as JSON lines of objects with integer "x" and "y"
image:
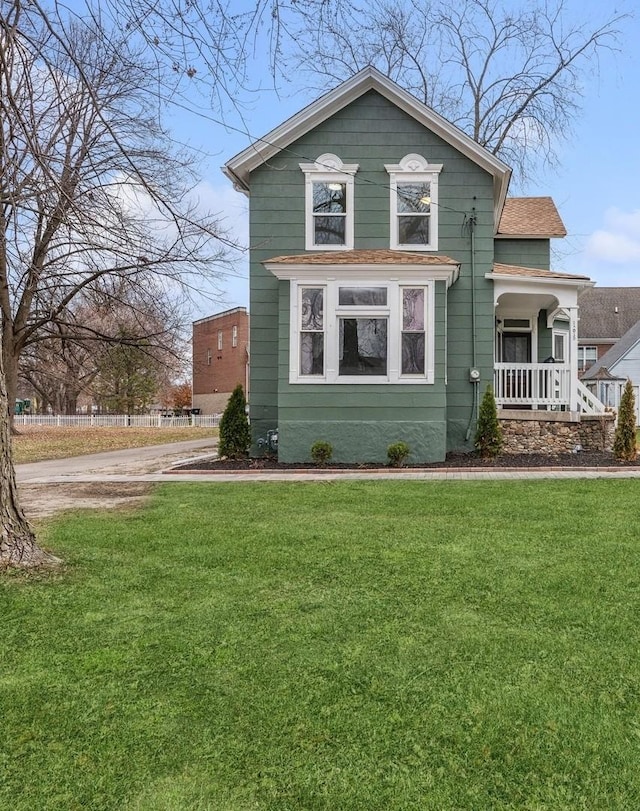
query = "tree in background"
{"x": 181, "y": 395}
{"x": 625, "y": 441}
{"x": 92, "y": 187}
{"x": 98, "y": 331}
{"x": 510, "y": 78}
{"x": 235, "y": 436}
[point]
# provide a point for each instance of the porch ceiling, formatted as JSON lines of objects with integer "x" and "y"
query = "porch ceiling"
{"x": 518, "y": 287}
{"x": 525, "y": 303}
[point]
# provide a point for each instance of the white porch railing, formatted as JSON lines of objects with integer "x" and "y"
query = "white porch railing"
{"x": 539, "y": 385}
{"x": 542, "y": 385}
{"x": 589, "y": 403}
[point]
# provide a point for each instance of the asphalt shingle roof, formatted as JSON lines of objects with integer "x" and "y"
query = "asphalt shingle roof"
{"x": 531, "y": 216}
{"x": 516, "y": 270}
{"x": 364, "y": 257}
{"x": 608, "y": 312}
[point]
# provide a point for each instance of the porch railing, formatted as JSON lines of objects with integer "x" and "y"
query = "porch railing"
{"x": 589, "y": 403}
{"x": 533, "y": 384}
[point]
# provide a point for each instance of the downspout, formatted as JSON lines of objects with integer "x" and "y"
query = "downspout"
{"x": 474, "y": 347}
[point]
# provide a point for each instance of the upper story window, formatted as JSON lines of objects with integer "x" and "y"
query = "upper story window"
{"x": 329, "y": 203}
{"x": 208, "y": 357}
{"x": 219, "y": 340}
{"x": 414, "y": 203}
{"x": 234, "y": 335}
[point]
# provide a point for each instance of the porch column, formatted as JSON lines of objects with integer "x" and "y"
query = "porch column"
{"x": 573, "y": 356}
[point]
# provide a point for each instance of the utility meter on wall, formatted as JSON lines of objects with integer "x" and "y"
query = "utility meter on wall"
{"x": 474, "y": 375}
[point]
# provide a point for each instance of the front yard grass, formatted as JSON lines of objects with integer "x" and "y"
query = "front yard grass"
{"x": 37, "y": 443}
{"x": 381, "y": 646}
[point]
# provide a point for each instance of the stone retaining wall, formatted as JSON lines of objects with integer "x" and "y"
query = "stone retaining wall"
{"x": 555, "y": 432}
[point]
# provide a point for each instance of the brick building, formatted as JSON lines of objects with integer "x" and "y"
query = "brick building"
{"x": 220, "y": 358}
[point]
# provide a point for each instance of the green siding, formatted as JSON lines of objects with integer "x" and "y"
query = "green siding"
{"x": 362, "y": 420}
{"x": 528, "y": 253}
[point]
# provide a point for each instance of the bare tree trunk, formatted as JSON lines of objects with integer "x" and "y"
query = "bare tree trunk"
{"x": 10, "y": 376}
{"x": 18, "y": 545}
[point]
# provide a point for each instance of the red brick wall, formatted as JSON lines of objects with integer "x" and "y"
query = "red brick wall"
{"x": 216, "y": 372}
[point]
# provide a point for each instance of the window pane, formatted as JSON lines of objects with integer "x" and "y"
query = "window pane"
{"x": 330, "y": 198}
{"x": 363, "y": 346}
{"x": 414, "y": 197}
{"x": 413, "y": 353}
{"x": 330, "y": 230}
{"x": 558, "y": 347}
{"x": 312, "y": 308}
{"x": 362, "y": 296}
{"x": 413, "y": 230}
{"x": 413, "y": 309}
{"x": 311, "y": 353}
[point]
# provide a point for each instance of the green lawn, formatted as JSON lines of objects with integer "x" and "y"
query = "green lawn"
{"x": 382, "y": 646}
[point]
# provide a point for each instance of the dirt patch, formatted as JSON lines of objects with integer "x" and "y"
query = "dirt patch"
{"x": 44, "y": 500}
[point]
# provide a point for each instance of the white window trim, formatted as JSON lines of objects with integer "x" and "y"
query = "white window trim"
{"x": 582, "y": 359}
{"x": 392, "y": 311}
{"x": 564, "y": 335}
{"x": 234, "y": 335}
{"x": 326, "y": 169}
{"x": 219, "y": 340}
{"x": 415, "y": 169}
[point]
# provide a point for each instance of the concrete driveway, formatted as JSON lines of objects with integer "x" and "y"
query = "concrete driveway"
{"x": 129, "y": 463}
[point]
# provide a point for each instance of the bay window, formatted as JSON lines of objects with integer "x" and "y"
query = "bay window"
{"x": 358, "y": 332}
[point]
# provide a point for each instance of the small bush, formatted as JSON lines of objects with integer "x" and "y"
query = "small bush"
{"x": 235, "y": 436}
{"x": 625, "y": 440}
{"x": 488, "y": 439}
{"x": 321, "y": 452}
{"x": 397, "y": 453}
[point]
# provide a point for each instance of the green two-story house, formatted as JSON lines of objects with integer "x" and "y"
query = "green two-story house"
{"x": 392, "y": 279}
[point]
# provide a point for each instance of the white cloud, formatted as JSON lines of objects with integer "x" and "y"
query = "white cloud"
{"x": 618, "y": 242}
{"x": 229, "y": 206}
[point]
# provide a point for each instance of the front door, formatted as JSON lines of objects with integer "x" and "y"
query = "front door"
{"x": 516, "y": 347}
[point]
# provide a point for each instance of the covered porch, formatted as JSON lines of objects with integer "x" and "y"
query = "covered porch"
{"x": 536, "y": 341}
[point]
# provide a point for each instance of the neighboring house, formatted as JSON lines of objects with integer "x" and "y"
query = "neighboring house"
{"x": 611, "y": 325}
{"x": 606, "y": 314}
{"x": 220, "y": 358}
{"x": 392, "y": 280}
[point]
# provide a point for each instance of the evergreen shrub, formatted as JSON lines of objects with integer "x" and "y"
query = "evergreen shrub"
{"x": 235, "y": 436}
{"x": 398, "y": 453}
{"x": 321, "y": 452}
{"x": 625, "y": 442}
{"x": 488, "y": 439}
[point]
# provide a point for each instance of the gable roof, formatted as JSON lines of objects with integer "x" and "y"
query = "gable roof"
{"x": 616, "y": 353}
{"x": 239, "y": 167}
{"x": 530, "y": 217}
{"x": 607, "y": 313}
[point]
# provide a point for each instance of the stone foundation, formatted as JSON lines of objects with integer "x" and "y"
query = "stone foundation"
{"x": 554, "y": 432}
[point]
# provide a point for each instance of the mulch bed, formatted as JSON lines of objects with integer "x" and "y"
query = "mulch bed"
{"x": 453, "y": 461}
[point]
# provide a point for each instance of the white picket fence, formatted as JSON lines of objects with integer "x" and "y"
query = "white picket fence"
{"x": 118, "y": 420}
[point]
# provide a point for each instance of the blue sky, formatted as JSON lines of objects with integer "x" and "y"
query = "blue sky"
{"x": 596, "y": 186}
